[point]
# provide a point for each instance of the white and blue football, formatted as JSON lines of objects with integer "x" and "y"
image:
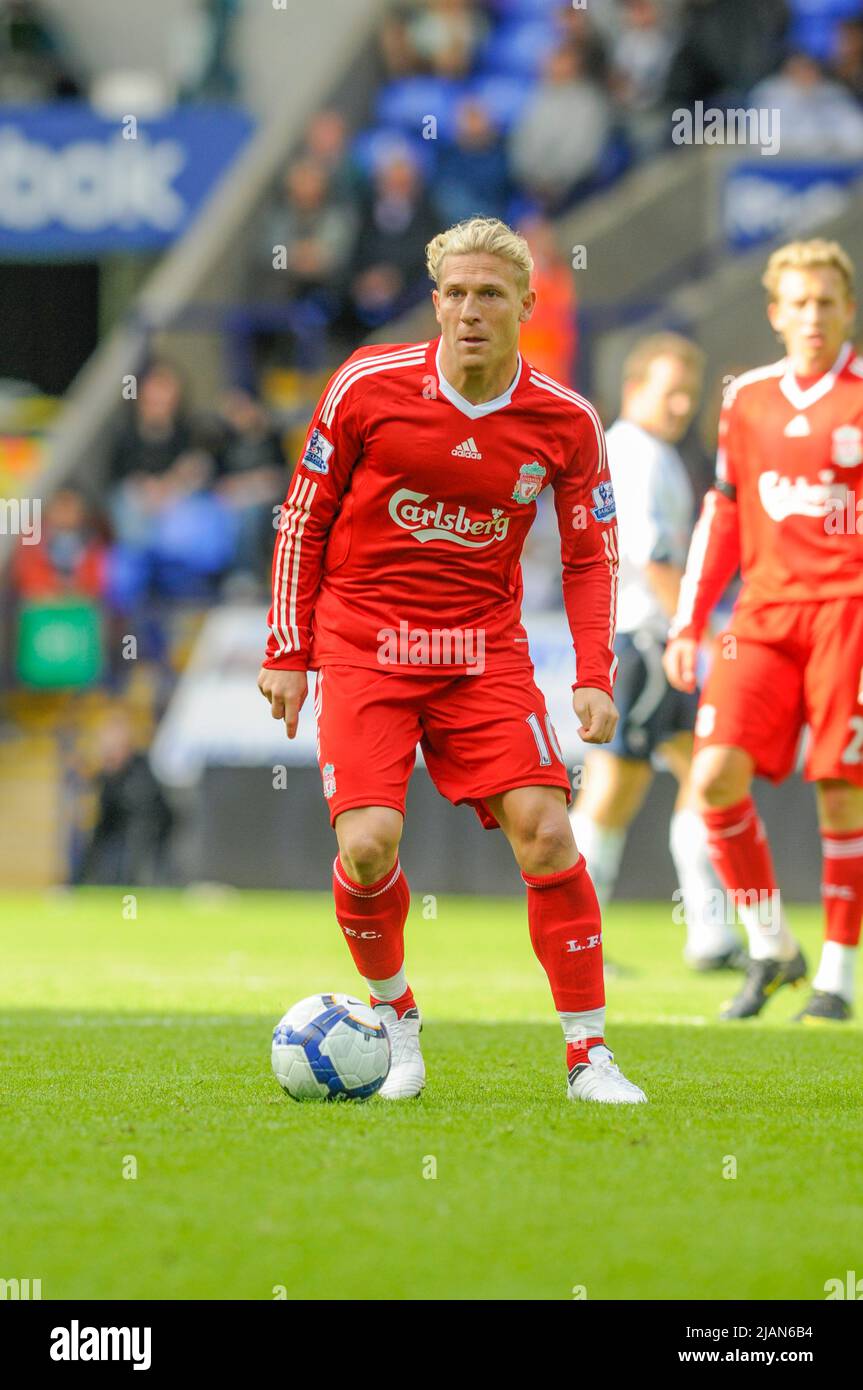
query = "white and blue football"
{"x": 330, "y": 1047}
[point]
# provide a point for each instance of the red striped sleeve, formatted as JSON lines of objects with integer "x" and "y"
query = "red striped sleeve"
{"x": 714, "y": 556}
{"x": 586, "y": 516}
{"x": 332, "y": 449}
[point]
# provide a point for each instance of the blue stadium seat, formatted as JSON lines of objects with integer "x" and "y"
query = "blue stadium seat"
{"x": 409, "y": 101}
{"x": 827, "y": 9}
{"x": 615, "y": 159}
{"x": 519, "y": 48}
{"x": 503, "y": 96}
{"x": 813, "y": 25}
{"x": 376, "y": 143}
{"x": 526, "y": 9}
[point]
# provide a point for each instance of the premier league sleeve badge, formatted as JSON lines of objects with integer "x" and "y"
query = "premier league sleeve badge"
{"x": 317, "y": 453}
{"x": 605, "y": 508}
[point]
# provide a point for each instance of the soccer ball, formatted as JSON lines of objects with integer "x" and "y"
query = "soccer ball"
{"x": 331, "y": 1047}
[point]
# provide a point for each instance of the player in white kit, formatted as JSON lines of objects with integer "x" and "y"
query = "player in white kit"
{"x": 662, "y": 382}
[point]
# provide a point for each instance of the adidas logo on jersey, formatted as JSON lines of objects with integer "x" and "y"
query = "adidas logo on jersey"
{"x": 797, "y": 428}
{"x": 467, "y": 449}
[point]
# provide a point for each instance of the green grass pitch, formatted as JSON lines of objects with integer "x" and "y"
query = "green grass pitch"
{"x": 145, "y": 1042}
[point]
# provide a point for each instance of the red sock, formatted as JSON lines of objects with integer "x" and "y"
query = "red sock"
{"x": 401, "y": 1005}
{"x": 372, "y": 917}
{"x": 738, "y": 848}
{"x": 842, "y": 885}
{"x": 566, "y": 934}
{"x": 576, "y": 1053}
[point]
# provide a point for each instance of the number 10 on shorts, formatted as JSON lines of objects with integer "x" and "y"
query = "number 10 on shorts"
{"x": 536, "y": 729}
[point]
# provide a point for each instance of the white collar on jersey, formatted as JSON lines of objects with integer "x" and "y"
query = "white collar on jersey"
{"x": 474, "y": 412}
{"x": 801, "y": 399}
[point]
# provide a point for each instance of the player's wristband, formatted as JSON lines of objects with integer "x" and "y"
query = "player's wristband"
{"x": 727, "y": 489}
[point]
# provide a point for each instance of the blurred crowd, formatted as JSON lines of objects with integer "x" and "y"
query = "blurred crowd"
{"x": 354, "y": 248}
{"x": 519, "y": 109}
{"x": 189, "y": 511}
{"x": 526, "y": 105}
{"x": 513, "y": 108}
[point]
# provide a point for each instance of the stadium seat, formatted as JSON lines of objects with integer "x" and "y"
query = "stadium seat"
{"x": 813, "y": 25}
{"x": 504, "y": 97}
{"x": 378, "y": 143}
{"x": 192, "y": 543}
{"x": 519, "y": 48}
{"x": 825, "y": 9}
{"x": 409, "y": 101}
{"x": 816, "y": 37}
{"x": 615, "y": 159}
{"x": 525, "y": 9}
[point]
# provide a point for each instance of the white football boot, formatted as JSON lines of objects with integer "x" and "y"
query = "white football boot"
{"x": 599, "y": 1079}
{"x": 407, "y": 1073}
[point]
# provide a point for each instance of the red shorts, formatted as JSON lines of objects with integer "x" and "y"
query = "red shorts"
{"x": 780, "y": 667}
{"x": 480, "y": 735}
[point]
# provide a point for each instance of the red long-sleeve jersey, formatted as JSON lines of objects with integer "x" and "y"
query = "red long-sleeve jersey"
{"x": 787, "y": 502}
{"x": 408, "y": 510}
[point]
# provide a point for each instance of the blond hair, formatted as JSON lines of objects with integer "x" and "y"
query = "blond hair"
{"x": 816, "y": 254}
{"x": 638, "y": 361}
{"x": 486, "y": 234}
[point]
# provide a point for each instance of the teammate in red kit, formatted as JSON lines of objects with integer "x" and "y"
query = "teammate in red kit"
{"x": 396, "y": 577}
{"x": 789, "y": 473}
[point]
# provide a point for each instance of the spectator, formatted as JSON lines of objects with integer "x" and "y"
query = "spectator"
{"x": 558, "y": 141}
{"x": 641, "y": 55}
{"x": 130, "y": 838}
{"x": 640, "y": 60}
{"x": 145, "y": 451}
{"x": 158, "y": 429}
{"x": 193, "y": 537}
{"x": 848, "y": 63}
{"x": 439, "y": 36}
{"x": 326, "y": 143}
{"x": 817, "y": 116}
{"x": 397, "y": 51}
{"x": 444, "y": 35}
{"x": 70, "y": 557}
{"x": 317, "y": 234}
{"x": 725, "y": 47}
{"x": 32, "y": 68}
{"x": 577, "y": 28}
{"x": 397, "y": 222}
{"x": 472, "y": 174}
{"x": 548, "y": 339}
{"x": 252, "y": 481}
{"x": 184, "y": 544}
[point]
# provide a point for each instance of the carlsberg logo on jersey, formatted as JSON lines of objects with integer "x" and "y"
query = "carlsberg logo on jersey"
{"x": 434, "y": 523}
{"x": 783, "y": 497}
